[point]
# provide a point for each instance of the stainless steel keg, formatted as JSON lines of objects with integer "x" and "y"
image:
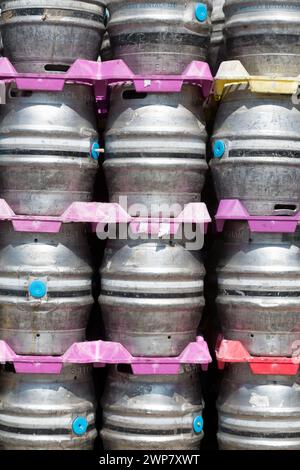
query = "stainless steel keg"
{"x": 257, "y": 147}
{"x": 45, "y": 149}
{"x": 48, "y": 36}
{"x": 152, "y": 412}
{"x": 155, "y": 147}
{"x": 159, "y": 37}
{"x": 45, "y": 289}
{"x": 151, "y": 295}
{"x": 258, "y": 298}
{"x": 258, "y": 412}
{"x": 264, "y": 35}
{"x": 47, "y": 412}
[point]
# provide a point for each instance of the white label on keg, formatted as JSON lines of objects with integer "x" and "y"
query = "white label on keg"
{"x": 259, "y": 401}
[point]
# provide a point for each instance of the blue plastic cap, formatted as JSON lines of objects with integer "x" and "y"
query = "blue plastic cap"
{"x": 94, "y": 151}
{"x": 198, "y": 424}
{"x": 201, "y": 12}
{"x": 219, "y": 149}
{"x": 37, "y": 289}
{"x": 80, "y": 425}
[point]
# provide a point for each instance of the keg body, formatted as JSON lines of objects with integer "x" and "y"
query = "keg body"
{"x": 264, "y": 35}
{"x": 151, "y": 296}
{"x": 44, "y": 36}
{"x": 260, "y": 161}
{"x": 258, "y": 412}
{"x": 151, "y": 412}
{"x": 42, "y": 412}
{"x": 155, "y": 146}
{"x": 45, "y": 289}
{"x": 258, "y": 298}
{"x": 45, "y": 142}
{"x": 161, "y": 38}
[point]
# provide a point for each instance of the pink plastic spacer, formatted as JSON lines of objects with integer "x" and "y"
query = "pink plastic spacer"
{"x": 233, "y": 209}
{"x": 107, "y": 352}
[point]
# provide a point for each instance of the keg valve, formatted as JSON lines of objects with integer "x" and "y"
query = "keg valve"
{"x": 79, "y": 425}
{"x": 219, "y": 149}
{"x": 96, "y": 150}
{"x": 198, "y": 424}
{"x": 37, "y": 289}
{"x": 201, "y": 12}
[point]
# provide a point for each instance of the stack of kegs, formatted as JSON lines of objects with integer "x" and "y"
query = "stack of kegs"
{"x": 152, "y": 286}
{"x": 152, "y": 276}
{"x": 256, "y": 146}
{"x": 45, "y": 278}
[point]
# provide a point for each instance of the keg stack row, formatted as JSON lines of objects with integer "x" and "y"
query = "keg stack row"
{"x": 45, "y": 278}
{"x": 152, "y": 288}
{"x": 255, "y": 167}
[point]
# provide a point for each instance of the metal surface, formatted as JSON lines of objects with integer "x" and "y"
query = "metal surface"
{"x": 159, "y": 37}
{"x": 260, "y": 163}
{"x": 43, "y": 35}
{"x": 42, "y": 412}
{"x": 258, "y": 412}
{"x": 45, "y": 141}
{"x": 151, "y": 412}
{"x": 259, "y": 289}
{"x": 264, "y": 35}
{"x": 216, "y": 52}
{"x": 105, "y": 51}
{"x": 152, "y": 296}
{"x": 155, "y": 147}
{"x": 32, "y": 323}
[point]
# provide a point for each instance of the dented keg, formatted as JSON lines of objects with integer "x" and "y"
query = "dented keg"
{"x": 159, "y": 37}
{"x": 47, "y": 412}
{"x": 155, "y": 147}
{"x": 45, "y": 289}
{"x": 259, "y": 289}
{"x": 258, "y": 412}
{"x": 152, "y": 412}
{"x": 216, "y": 53}
{"x": 256, "y": 147}
{"x": 152, "y": 295}
{"x": 46, "y": 36}
{"x": 264, "y": 35}
{"x": 45, "y": 145}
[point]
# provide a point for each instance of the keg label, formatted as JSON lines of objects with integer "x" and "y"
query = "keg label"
{"x": 259, "y": 401}
{"x": 80, "y": 371}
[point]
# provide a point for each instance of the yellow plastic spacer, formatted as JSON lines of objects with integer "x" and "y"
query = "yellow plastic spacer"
{"x": 234, "y": 73}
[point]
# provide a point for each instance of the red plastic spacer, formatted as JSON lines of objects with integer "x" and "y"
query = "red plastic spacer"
{"x": 231, "y": 352}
